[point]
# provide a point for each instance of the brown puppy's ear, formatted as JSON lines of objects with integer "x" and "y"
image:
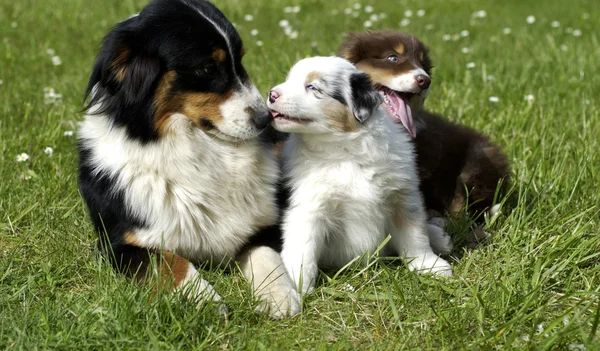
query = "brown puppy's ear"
{"x": 349, "y": 49}
{"x": 365, "y": 99}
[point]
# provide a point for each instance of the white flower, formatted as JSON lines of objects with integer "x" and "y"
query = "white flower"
{"x": 578, "y": 347}
{"x": 405, "y": 22}
{"x": 288, "y": 9}
{"x": 408, "y": 13}
{"x": 464, "y": 33}
{"x": 555, "y": 24}
{"x": 355, "y": 14}
{"x": 284, "y": 23}
{"x": 25, "y": 176}
{"x": 348, "y": 287}
{"x": 314, "y": 44}
{"x": 51, "y": 96}
{"x": 565, "y": 320}
{"x": 48, "y": 151}
{"x": 526, "y": 338}
{"x": 455, "y": 37}
{"x": 471, "y": 65}
{"x": 506, "y": 30}
{"x": 585, "y": 16}
{"x": 530, "y": 19}
{"x": 1, "y": 82}
{"x": 254, "y": 32}
{"x": 529, "y": 98}
{"x": 382, "y": 15}
{"x": 576, "y": 33}
{"x": 68, "y": 133}
{"x": 296, "y": 9}
{"x": 368, "y": 9}
{"x": 259, "y": 43}
{"x": 494, "y": 99}
{"x": 357, "y": 6}
{"x": 374, "y": 18}
{"x": 248, "y": 18}
{"x": 563, "y": 47}
{"x": 288, "y": 30}
{"x": 368, "y": 24}
{"x": 347, "y": 10}
{"x": 14, "y": 24}
{"x": 479, "y": 14}
{"x": 465, "y": 50}
{"x": 50, "y": 52}
{"x": 539, "y": 329}
{"x": 421, "y": 13}
{"x": 429, "y": 26}
{"x": 22, "y": 157}
{"x": 569, "y": 30}
{"x": 446, "y": 37}
{"x": 293, "y": 35}
{"x": 491, "y": 78}
{"x": 56, "y": 61}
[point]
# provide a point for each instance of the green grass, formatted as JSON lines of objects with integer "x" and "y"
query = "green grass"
{"x": 542, "y": 266}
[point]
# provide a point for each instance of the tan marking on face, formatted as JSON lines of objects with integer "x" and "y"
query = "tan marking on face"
{"x": 383, "y": 75}
{"x": 203, "y": 109}
{"x": 399, "y": 48}
{"x": 243, "y": 51}
{"x": 312, "y": 76}
{"x": 219, "y": 55}
{"x": 130, "y": 238}
{"x": 339, "y": 116}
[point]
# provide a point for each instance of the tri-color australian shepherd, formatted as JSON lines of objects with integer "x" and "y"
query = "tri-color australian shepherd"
{"x": 351, "y": 172}
{"x": 172, "y": 167}
{"x": 458, "y": 166}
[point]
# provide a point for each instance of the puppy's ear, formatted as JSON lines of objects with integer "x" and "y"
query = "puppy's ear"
{"x": 123, "y": 72}
{"x": 350, "y": 48}
{"x": 365, "y": 99}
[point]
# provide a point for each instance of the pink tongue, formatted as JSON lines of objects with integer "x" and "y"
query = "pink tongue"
{"x": 399, "y": 109}
{"x": 275, "y": 113}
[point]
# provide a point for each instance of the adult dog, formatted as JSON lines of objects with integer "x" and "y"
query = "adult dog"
{"x": 171, "y": 165}
{"x": 351, "y": 173}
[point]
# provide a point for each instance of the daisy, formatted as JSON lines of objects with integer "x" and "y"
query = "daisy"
{"x": 22, "y": 157}
{"x": 259, "y": 43}
{"x": 382, "y": 15}
{"x": 296, "y": 9}
{"x": 494, "y": 99}
{"x": 288, "y": 9}
{"x": 429, "y": 26}
{"x": 576, "y": 33}
{"x": 405, "y": 22}
{"x": 368, "y": 24}
{"x": 284, "y": 23}
{"x": 314, "y": 44}
{"x": 555, "y": 24}
{"x": 491, "y": 78}
{"x": 368, "y": 9}
{"x": 464, "y": 33}
{"x": 563, "y": 47}
{"x": 529, "y": 98}
{"x": 50, "y": 52}
{"x": 357, "y": 6}
{"x": 48, "y": 151}
{"x": 56, "y": 61}
{"x": 25, "y": 176}
{"x": 465, "y": 50}
{"x": 446, "y": 37}
{"x": 68, "y": 133}
{"x": 506, "y": 31}
{"x": 530, "y": 19}
{"x": 1, "y": 82}
{"x": 248, "y": 18}
{"x": 421, "y": 13}
{"x": 347, "y": 10}
{"x": 14, "y": 24}
{"x": 254, "y": 32}
{"x": 471, "y": 65}
{"x": 408, "y": 13}
{"x": 374, "y": 18}
{"x": 294, "y": 35}
{"x": 539, "y": 329}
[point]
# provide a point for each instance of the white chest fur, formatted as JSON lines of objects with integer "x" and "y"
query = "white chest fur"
{"x": 200, "y": 197}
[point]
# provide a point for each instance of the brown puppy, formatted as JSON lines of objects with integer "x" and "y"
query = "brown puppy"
{"x": 458, "y": 167}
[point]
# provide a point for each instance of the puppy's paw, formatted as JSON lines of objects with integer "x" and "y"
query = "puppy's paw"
{"x": 279, "y": 300}
{"x": 430, "y": 264}
{"x": 440, "y": 242}
{"x": 200, "y": 291}
{"x": 438, "y": 222}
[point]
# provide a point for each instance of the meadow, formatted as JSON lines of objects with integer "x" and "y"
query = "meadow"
{"x": 522, "y": 71}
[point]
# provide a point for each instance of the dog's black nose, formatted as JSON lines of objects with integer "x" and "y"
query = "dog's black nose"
{"x": 262, "y": 120}
{"x": 273, "y": 96}
{"x": 423, "y": 81}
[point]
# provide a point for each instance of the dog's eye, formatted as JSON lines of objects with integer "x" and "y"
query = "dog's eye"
{"x": 206, "y": 70}
{"x": 393, "y": 58}
{"x": 312, "y": 87}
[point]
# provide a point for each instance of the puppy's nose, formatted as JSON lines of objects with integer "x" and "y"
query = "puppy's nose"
{"x": 273, "y": 96}
{"x": 423, "y": 81}
{"x": 262, "y": 120}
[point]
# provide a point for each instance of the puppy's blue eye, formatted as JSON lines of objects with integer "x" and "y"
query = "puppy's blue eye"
{"x": 312, "y": 87}
{"x": 393, "y": 58}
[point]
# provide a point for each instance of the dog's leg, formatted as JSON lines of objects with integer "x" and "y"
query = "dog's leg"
{"x": 179, "y": 273}
{"x": 263, "y": 267}
{"x": 303, "y": 242}
{"x": 410, "y": 237}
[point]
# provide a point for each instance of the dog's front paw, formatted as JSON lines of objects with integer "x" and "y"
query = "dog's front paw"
{"x": 279, "y": 300}
{"x": 201, "y": 292}
{"x": 430, "y": 264}
{"x": 438, "y": 221}
{"x": 440, "y": 242}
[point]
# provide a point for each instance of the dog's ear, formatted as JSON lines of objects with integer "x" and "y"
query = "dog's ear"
{"x": 349, "y": 49}
{"x": 123, "y": 71}
{"x": 365, "y": 99}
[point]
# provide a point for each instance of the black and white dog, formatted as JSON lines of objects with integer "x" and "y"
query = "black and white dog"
{"x": 351, "y": 172}
{"x": 171, "y": 165}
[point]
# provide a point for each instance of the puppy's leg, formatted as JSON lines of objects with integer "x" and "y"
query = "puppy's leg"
{"x": 440, "y": 242}
{"x": 303, "y": 243}
{"x": 263, "y": 267}
{"x": 410, "y": 237}
{"x": 179, "y": 273}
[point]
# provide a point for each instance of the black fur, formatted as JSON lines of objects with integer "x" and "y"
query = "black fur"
{"x": 365, "y": 98}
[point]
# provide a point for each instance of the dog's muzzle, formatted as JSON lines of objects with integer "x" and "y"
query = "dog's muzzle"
{"x": 262, "y": 120}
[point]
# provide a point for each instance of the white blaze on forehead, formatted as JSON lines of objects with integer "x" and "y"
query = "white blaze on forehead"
{"x": 407, "y": 82}
{"x": 324, "y": 64}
